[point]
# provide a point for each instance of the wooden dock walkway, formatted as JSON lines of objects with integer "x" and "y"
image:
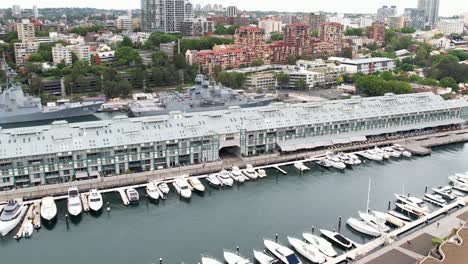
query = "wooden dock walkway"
{"x": 123, "y": 196}
{"x": 26, "y": 220}
{"x": 37, "y": 215}
{"x": 84, "y": 201}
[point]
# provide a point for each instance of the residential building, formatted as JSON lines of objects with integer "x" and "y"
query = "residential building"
{"x": 61, "y": 54}
{"x": 377, "y": 32}
{"x": 168, "y": 48}
{"x": 416, "y": 17}
{"x": 124, "y": 23}
{"x": 464, "y": 17}
{"x": 314, "y": 20}
{"x": 23, "y": 50}
{"x": 365, "y": 22}
{"x": 231, "y": 11}
{"x": 289, "y": 19}
{"x": 341, "y": 19}
{"x": 396, "y": 22}
{"x": 16, "y": 11}
{"x": 331, "y": 38}
{"x": 366, "y": 65}
{"x": 448, "y": 27}
{"x": 82, "y": 52}
{"x": 164, "y": 15}
{"x": 260, "y": 80}
{"x": 25, "y": 30}
{"x": 209, "y": 59}
{"x": 431, "y": 11}
{"x": 280, "y": 52}
{"x": 298, "y": 35}
{"x": 35, "y": 12}
{"x": 105, "y": 57}
{"x": 252, "y": 41}
{"x": 270, "y": 25}
{"x": 197, "y": 27}
{"x": 62, "y": 152}
{"x": 384, "y": 12}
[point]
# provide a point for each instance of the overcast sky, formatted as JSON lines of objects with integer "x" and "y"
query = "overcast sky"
{"x": 447, "y": 7}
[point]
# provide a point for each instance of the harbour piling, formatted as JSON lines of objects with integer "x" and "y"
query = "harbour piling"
{"x": 276, "y": 238}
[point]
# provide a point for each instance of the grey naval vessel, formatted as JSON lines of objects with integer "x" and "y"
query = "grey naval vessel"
{"x": 204, "y": 96}
{"x": 18, "y": 107}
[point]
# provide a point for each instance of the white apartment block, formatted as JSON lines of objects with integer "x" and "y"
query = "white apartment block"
{"x": 23, "y": 50}
{"x": 25, "y": 30}
{"x": 82, "y": 52}
{"x": 366, "y": 65}
{"x": 124, "y": 23}
{"x": 260, "y": 80}
{"x": 448, "y": 27}
{"x": 61, "y": 54}
{"x": 270, "y": 26}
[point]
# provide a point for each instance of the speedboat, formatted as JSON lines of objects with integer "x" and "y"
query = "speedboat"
{"x": 355, "y": 158}
{"x": 263, "y": 258}
{"x": 459, "y": 183}
{"x": 300, "y": 166}
{"x": 392, "y": 152}
{"x": 324, "y": 163}
{"x": 416, "y": 211}
{"x": 48, "y": 208}
{"x": 225, "y": 178}
{"x": 152, "y": 191}
{"x": 283, "y": 253}
{"x": 370, "y": 155}
{"x": 380, "y": 152}
{"x": 196, "y": 184}
{"x": 363, "y": 227}
{"x": 11, "y": 216}
{"x": 182, "y": 187}
{"x": 345, "y": 158}
{"x": 74, "y": 205}
{"x": 261, "y": 173}
{"x": 399, "y": 215}
{"x": 435, "y": 199}
{"x": 309, "y": 251}
{"x": 236, "y": 174}
{"x": 209, "y": 260}
{"x": 337, "y": 238}
{"x": 375, "y": 221}
{"x": 337, "y": 164}
{"x": 28, "y": 229}
{"x": 132, "y": 195}
{"x": 233, "y": 258}
{"x": 164, "y": 188}
{"x": 403, "y": 151}
{"x": 250, "y": 172}
{"x": 95, "y": 200}
{"x": 445, "y": 191}
{"x": 213, "y": 180}
{"x": 413, "y": 201}
{"x": 322, "y": 244}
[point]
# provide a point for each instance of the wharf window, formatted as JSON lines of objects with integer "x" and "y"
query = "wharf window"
{"x": 229, "y": 138}
{"x": 6, "y": 180}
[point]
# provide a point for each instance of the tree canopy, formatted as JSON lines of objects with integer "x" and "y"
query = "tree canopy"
{"x": 354, "y": 32}
{"x": 235, "y": 80}
{"x": 371, "y": 85}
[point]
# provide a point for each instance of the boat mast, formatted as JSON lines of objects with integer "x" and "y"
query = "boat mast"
{"x": 368, "y": 196}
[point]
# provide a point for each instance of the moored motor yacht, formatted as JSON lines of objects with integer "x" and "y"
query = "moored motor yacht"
{"x": 263, "y": 258}
{"x": 209, "y": 260}
{"x": 355, "y": 158}
{"x": 163, "y": 187}
{"x": 261, "y": 173}
{"x": 446, "y": 192}
{"x": 337, "y": 238}
{"x": 196, "y": 184}
{"x": 236, "y": 174}
{"x": 324, "y": 163}
{"x": 392, "y": 152}
{"x": 95, "y": 201}
{"x": 322, "y": 244}
{"x": 213, "y": 180}
{"x": 337, "y": 164}
{"x": 74, "y": 205}
{"x": 399, "y": 215}
{"x": 413, "y": 201}
{"x": 152, "y": 191}
{"x": 250, "y": 172}
{"x": 233, "y": 258}
{"x": 309, "y": 251}
{"x": 132, "y": 195}
{"x": 374, "y": 221}
{"x": 283, "y": 253}
{"x": 300, "y": 166}
{"x": 370, "y": 155}
{"x": 48, "y": 208}
{"x": 379, "y": 151}
{"x": 225, "y": 178}
{"x": 345, "y": 158}
{"x": 182, "y": 187}
{"x": 11, "y": 216}
{"x": 28, "y": 229}
{"x": 435, "y": 199}
{"x": 459, "y": 183}
{"x": 412, "y": 210}
{"x": 403, "y": 151}
{"x": 363, "y": 227}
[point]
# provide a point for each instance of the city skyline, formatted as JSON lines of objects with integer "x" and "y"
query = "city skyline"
{"x": 448, "y": 8}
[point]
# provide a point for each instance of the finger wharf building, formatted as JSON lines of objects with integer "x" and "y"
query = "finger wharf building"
{"x": 67, "y": 151}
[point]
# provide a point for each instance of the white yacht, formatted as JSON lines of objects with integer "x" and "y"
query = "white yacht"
{"x": 11, "y": 216}
{"x": 152, "y": 191}
{"x": 300, "y": 166}
{"x": 209, "y": 260}
{"x": 393, "y": 220}
{"x": 95, "y": 200}
{"x": 407, "y": 208}
{"x": 309, "y": 251}
{"x": 355, "y": 158}
{"x": 435, "y": 199}
{"x": 132, "y": 195}
{"x": 213, "y": 180}
{"x": 233, "y": 258}
{"x": 48, "y": 208}
{"x": 337, "y": 238}
{"x": 446, "y": 192}
{"x": 337, "y": 164}
{"x": 196, "y": 184}
{"x": 261, "y": 173}
{"x": 374, "y": 221}
{"x": 163, "y": 187}
{"x": 263, "y": 258}
{"x": 74, "y": 205}
{"x": 250, "y": 172}
{"x": 345, "y": 158}
{"x": 283, "y": 253}
{"x": 459, "y": 183}
{"x": 324, "y": 163}
{"x": 403, "y": 151}
{"x": 236, "y": 174}
{"x": 182, "y": 187}
{"x": 392, "y": 152}
{"x": 380, "y": 152}
{"x": 370, "y": 155}
{"x": 363, "y": 227}
{"x": 28, "y": 229}
{"x": 413, "y": 201}
{"x": 321, "y": 243}
{"x": 399, "y": 215}
{"x": 225, "y": 178}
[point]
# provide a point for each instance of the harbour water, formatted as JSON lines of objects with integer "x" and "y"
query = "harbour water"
{"x": 179, "y": 231}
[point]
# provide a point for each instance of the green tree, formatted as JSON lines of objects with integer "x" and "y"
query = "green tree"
{"x": 277, "y": 36}
{"x": 127, "y": 56}
{"x": 408, "y": 30}
{"x": 340, "y": 80}
{"x": 406, "y": 67}
{"x": 354, "y": 32}
{"x": 301, "y": 84}
{"x": 220, "y": 29}
{"x": 314, "y": 33}
{"x": 159, "y": 58}
{"x": 282, "y": 78}
{"x": 126, "y": 42}
{"x": 180, "y": 62}
{"x": 460, "y": 54}
{"x": 386, "y": 75}
{"x": 422, "y": 55}
{"x": 257, "y": 63}
{"x": 449, "y": 82}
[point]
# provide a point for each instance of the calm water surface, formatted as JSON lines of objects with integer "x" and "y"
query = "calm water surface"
{"x": 178, "y": 231}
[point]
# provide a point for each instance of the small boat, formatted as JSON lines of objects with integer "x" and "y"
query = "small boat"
{"x": 74, "y": 204}
{"x": 152, "y": 191}
{"x": 445, "y": 191}
{"x": 370, "y": 155}
{"x": 324, "y": 163}
{"x": 309, "y": 251}
{"x": 95, "y": 201}
{"x": 225, "y": 178}
{"x": 233, "y": 258}
{"x": 209, "y": 260}
{"x": 28, "y": 229}
{"x": 363, "y": 227}
{"x": 374, "y": 221}
{"x": 213, "y": 180}
{"x": 132, "y": 195}
{"x": 391, "y": 219}
{"x": 399, "y": 215}
{"x": 392, "y": 152}
{"x": 403, "y": 151}
{"x": 11, "y": 216}
{"x": 337, "y": 238}
{"x": 345, "y": 158}
{"x": 435, "y": 199}
{"x": 355, "y": 158}
{"x": 459, "y": 183}
{"x": 250, "y": 172}
{"x": 322, "y": 244}
{"x": 196, "y": 184}
{"x": 261, "y": 173}
{"x": 300, "y": 166}
{"x": 263, "y": 258}
{"x": 163, "y": 187}
{"x": 182, "y": 187}
{"x": 413, "y": 201}
{"x": 379, "y": 151}
{"x": 283, "y": 253}
{"x": 337, "y": 164}
{"x": 48, "y": 208}
{"x": 416, "y": 211}
{"x": 236, "y": 174}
